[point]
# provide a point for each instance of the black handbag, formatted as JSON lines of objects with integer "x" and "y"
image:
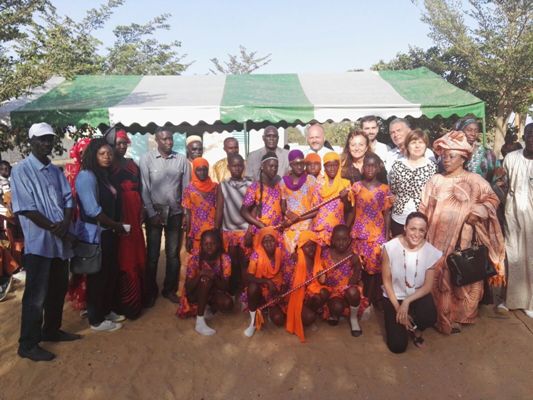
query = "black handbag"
{"x": 87, "y": 258}
{"x": 469, "y": 265}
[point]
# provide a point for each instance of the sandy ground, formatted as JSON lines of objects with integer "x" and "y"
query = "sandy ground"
{"x": 161, "y": 357}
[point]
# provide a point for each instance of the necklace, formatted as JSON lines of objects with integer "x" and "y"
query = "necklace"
{"x": 405, "y": 271}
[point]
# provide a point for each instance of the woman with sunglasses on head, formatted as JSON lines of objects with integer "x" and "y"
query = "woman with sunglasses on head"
{"x": 408, "y": 272}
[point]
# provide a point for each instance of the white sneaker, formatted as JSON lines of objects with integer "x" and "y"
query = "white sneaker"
{"x": 529, "y": 313}
{"x": 114, "y": 317}
{"x": 107, "y": 326}
{"x": 502, "y": 307}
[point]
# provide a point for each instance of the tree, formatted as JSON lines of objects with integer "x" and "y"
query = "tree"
{"x": 294, "y": 135}
{"x": 496, "y": 43}
{"x": 243, "y": 63}
{"x": 137, "y": 52}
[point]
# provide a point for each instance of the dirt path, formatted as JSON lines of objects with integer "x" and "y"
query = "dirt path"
{"x": 161, "y": 357}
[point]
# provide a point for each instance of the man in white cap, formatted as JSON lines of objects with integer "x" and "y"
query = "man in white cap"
{"x": 43, "y": 201}
{"x": 195, "y": 147}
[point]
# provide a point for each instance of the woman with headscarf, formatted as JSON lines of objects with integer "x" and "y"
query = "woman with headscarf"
{"x": 264, "y": 278}
{"x": 131, "y": 248}
{"x": 313, "y": 164}
{"x": 331, "y": 185}
{"x": 305, "y": 302}
{"x": 457, "y": 202}
{"x": 261, "y": 205}
{"x": 297, "y": 197}
{"x": 199, "y": 202}
{"x": 483, "y": 160}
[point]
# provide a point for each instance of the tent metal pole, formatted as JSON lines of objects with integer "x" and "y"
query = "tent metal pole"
{"x": 246, "y": 140}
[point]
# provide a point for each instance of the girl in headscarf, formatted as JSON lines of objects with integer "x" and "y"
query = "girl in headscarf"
{"x": 264, "y": 278}
{"x": 305, "y": 302}
{"x": 207, "y": 282}
{"x": 313, "y": 164}
{"x": 131, "y": 248}
{"x": 456, "y": 202}
{"x": 373, "y": 201}
{"x": 331, "y": 185}
{"x": 261, "y": 205}
{"x": 199, "y": 202}
{"x": 298, "y": 195}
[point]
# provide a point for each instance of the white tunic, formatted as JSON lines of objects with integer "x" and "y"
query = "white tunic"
{"x": 519, "y": 230}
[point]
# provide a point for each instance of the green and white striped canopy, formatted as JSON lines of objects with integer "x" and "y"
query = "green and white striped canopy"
{"x": 256, "y": 98}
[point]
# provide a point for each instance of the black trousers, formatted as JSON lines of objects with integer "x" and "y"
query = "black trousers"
{"x": 173, "y": 237}
{"x": 422, "y": 311}
{"x": 102, "y": 287}
{"x": 43, "y": 299}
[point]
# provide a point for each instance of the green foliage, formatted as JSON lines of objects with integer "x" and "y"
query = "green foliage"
{"x": 337, "y": 132}
{"x": 137, "y": 52}
{"x": 243, "y": 63}
{"x": 294, "y": 135}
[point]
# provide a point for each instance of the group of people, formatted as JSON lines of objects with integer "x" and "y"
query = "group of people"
{"x": 293, "y": 237}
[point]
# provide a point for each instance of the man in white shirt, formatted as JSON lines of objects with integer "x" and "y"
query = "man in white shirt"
{"x": 398, "y": 130}
{"x": 316, "y": 139}
{"x": 369, "y": 125}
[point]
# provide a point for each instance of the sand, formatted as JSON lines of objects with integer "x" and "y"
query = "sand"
{"x": 161, "y": 357}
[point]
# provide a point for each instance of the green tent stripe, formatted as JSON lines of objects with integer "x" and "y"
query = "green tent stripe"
{"x": 261, "y": 98}
{"x": 433, "y": 93}
{"x": 85, "y": 99}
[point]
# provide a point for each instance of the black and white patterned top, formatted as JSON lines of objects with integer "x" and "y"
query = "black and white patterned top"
{"x": 406, "y": 183}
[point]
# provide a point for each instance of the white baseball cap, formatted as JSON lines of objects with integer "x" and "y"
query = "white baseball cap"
{"x": 41, "y": 129}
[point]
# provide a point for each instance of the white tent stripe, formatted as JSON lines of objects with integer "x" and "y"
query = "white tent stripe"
{"x": 175, "y": 99}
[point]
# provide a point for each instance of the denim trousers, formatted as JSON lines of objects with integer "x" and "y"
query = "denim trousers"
{"x": 173, "y": 236}
{"x": 43, "y": 299}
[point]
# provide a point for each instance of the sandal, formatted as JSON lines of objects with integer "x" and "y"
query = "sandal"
{"x": 333, "y": 321}
{"x": 418, "y": 341}
{"x": 456, "y": 328}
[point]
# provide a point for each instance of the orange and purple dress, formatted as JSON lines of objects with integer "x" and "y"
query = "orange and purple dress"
{"x": 299, "y": 199}
{"x": 269, "y": 202}
{"x": 221, "y": 268}
{"x": 368, "y": 230}
{"x": 202, "y": 208}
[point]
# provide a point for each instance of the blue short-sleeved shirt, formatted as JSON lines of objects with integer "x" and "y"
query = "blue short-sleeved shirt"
{"x": 87, "y": 192}
{"x": 42, "y": 188}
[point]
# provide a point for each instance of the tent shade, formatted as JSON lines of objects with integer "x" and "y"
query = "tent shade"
{"x": 252, "y": 99}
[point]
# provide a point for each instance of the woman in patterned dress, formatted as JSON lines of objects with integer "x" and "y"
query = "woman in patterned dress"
{"x": 373, "y": 201}
{"x": 207, "y": 282}
{"x": 199, "y": 202}
{"x": 297, "y": 197}
{"x": 457, "y": 202}
{"x": 408, "y": 177}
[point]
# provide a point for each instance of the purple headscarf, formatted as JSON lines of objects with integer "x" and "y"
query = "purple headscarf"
{"x": 295, "y": 154}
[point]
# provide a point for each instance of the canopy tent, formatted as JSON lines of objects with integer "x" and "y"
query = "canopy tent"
{"x": 210, "y": 102}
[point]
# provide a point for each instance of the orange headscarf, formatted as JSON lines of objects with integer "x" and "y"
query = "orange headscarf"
{"x": 454, "y": 140}
{"x": 296, "y": 300}
{"x": 332, "y": 187}
{"x": 264, "y": 268}
{"x": 202, "y": 186}
{"x": 312, "y": 157}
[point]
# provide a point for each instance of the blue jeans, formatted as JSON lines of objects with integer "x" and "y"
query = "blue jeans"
{"x": 45, "y": 290}
{"x": 173, "y": 235}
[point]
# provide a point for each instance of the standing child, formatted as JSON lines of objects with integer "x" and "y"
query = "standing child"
{"x": 206, "y": 282}
{"x": 344, "y": 281}
{"x": 264, "y": 279}
{"x": 199, "y": 202}
{"x": 373, "y": 201}
{"x": 313, "y": 164}
{"x": 331, "y": 214}
{"x": 229, "y": 219}
{"x": 297, "y": 197}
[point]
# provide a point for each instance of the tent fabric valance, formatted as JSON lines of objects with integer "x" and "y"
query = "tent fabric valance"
{"x": 256, "y": 98}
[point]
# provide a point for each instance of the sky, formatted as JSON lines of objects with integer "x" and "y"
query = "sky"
{"x": 302, "y": 36}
